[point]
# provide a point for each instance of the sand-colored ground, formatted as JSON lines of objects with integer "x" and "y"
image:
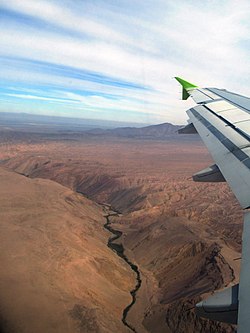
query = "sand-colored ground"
{"x": 184, "y": 236}
{"x": 57, "y": 274}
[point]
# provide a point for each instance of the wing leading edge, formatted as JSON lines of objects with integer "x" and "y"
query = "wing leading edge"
{"x": 222, "y": 119}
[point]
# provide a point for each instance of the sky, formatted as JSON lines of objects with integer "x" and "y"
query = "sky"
{"x": 116, "y": 59}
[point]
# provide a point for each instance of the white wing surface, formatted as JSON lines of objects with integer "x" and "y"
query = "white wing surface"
{"x": 222, "y": 119}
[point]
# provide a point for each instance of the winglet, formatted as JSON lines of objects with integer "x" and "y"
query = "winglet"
{"x": 186, "y": 86}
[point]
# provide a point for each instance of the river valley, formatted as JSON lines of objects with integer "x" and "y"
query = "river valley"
{"x": 119, "y": 250}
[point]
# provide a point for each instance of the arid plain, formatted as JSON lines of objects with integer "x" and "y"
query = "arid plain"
{"x": 57, "y": 272}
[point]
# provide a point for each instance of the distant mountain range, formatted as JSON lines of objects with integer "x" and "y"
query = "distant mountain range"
{"x": 45, "y": 123}
{"x": 152, "y": 131}
{"x": 88, "y": 127}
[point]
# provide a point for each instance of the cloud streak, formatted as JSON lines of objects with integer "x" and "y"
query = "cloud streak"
{"x": 118, "y": 61}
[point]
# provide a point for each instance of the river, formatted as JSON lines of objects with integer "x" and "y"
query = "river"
{"x": 119, "y": 250}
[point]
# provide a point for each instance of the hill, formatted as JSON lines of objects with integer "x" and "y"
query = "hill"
{"x": 57, "y": 273}
{"x": 169, "y": 223}
{"x": 152, "y": 131}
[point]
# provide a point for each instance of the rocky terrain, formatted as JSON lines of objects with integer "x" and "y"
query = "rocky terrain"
{"x": 57, "y": 273}
{"x": 152, "y": 131}
{"x": 183, "y": 236}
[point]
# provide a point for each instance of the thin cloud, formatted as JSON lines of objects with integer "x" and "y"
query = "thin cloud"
{"x": 130, "y": 51}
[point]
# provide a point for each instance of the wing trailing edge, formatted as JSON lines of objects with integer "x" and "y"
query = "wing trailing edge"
{"x": 222, "y": 119}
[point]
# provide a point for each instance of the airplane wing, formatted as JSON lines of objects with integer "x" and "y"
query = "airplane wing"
{"x": 222, "y": 119}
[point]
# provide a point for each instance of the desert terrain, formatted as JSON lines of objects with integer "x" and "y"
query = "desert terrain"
{"x": 58, "y": 272}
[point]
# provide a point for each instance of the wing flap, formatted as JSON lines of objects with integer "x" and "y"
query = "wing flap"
{"x": 200, "y": 96}
{"x": 210, "y": 174}
{"x": 224, "y": 125}
{"x": 238, "y": 100}
{"x": 219, "y": 106}
{"x": 234, "y": 115}
{"x": 229, "y": 155}
{"x": 239, "y": 118}
{"x": 222, "y": 128}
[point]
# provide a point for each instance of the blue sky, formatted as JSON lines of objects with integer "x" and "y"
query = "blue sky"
{"x": 115, "y": 60}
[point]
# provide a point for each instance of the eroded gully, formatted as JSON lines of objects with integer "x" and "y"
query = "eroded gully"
{"x": 119, "y": 250}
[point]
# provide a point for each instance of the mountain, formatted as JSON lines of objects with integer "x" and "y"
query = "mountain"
{"x": 57, "y": 273}
{"x": 152, "y": 131}
{"x": 182, "y": 236}
{"x": 43, "y": 123}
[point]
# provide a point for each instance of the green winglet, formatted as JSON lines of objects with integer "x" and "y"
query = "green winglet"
{"x": 186, "y": 86}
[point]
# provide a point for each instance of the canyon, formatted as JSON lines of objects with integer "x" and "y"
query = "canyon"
{"x": 57, "y": 191}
